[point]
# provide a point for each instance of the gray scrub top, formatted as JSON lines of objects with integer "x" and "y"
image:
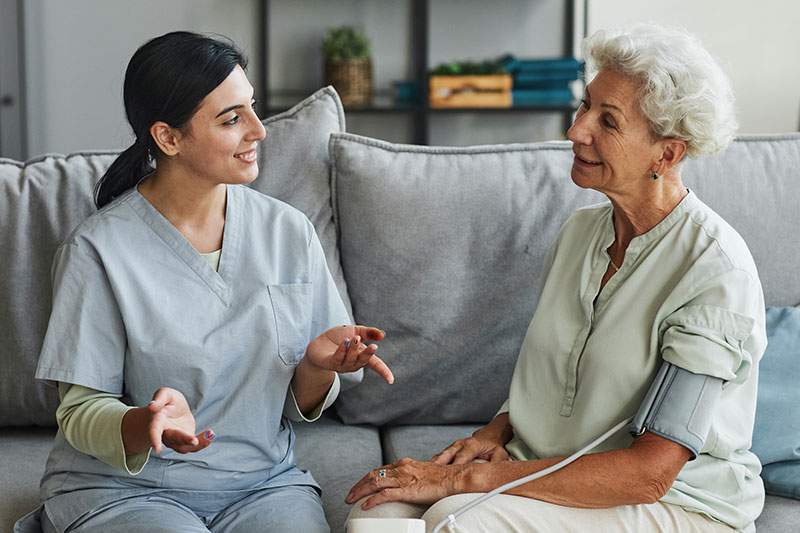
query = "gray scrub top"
{"x": 135, "y": 307}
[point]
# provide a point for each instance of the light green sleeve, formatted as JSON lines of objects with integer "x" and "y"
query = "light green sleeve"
{"x": 92, "y": 423}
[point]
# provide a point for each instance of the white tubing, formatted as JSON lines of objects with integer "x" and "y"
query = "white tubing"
{"x": 451, "y": 518}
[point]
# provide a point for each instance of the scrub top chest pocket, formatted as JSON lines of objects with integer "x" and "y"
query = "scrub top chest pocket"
{"x": 291, "y": 307}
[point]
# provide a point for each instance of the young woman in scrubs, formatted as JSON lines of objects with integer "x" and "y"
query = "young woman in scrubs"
{"x": 191, "y": 315}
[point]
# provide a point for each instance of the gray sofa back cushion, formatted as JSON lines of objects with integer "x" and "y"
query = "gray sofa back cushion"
{"x": 442, "y": 248}
{"x": 42, "y": 200}
{"x": 755, "y": 186}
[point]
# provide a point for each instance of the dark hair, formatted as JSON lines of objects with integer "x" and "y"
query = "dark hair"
{"x": 166, "y": 80}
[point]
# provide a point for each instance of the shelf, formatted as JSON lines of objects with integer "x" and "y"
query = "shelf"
{"x": 277, "y": 101}
{"x": 559, "y": 108}
{"x": 382, "y": 103}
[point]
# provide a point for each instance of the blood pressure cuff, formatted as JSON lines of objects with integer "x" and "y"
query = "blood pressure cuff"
{"x": 679, "y": 407}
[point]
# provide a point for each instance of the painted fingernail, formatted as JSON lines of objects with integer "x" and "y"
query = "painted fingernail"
{"x": 347, "y": 344}
{"x": 210, "y": 435}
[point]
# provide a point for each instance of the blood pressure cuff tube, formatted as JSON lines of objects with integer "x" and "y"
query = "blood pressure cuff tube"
{"x": 678, "y": 406}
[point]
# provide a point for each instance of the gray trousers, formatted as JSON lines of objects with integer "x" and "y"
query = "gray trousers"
{"x": 280, "y": 509}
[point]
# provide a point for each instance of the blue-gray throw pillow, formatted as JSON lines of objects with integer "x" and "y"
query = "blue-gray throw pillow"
{"x": 776, "y": 437}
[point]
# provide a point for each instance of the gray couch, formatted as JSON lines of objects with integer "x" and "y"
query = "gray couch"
{"x": 441, "y": 247}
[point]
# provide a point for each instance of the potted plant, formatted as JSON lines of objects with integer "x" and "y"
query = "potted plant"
{"x": 347, "y": 64}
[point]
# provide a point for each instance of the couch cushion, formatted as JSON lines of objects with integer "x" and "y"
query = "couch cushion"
{"x": 776, "y": 436}
{"x": 294, "y": 167}
{"x": 780, "y": 515}
{"x": 753, "y": 185}
{"x": 42, "y": 200}
{"x": 337, "y": 456}
{"x": 442, "y": 248}
{"x": 23, "y": 453}
{"x": 420, "y": 442}
{"x": 456, "y": 287}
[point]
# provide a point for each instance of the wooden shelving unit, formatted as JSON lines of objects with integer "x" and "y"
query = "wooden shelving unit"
{"x": 420, "y": 112}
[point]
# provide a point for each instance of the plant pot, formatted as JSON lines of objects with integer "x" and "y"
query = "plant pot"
{"x": 352, "y": 79}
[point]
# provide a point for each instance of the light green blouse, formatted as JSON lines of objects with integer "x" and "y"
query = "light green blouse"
{"x": 687, "y": 292}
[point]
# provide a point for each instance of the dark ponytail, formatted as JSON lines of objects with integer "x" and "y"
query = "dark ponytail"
{"x": 166, "y": 80}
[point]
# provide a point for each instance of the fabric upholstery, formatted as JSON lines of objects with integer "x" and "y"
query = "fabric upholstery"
{"x": 420, "y": 442}
{"x": 456, "y": 289}
{"x": 753, "y": 186}
{"x": 442, "y": 248}
{"x": 776, "y": 436}
{"x": 337, "y": 456}
{"x": 23, "y": 453}
{"x": 41, "y": 201}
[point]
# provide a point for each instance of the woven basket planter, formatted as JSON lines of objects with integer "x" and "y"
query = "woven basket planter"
{"x": 352, "y": 79}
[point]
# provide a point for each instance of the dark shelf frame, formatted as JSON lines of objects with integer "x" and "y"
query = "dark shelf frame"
{"x": 420, "y": 26}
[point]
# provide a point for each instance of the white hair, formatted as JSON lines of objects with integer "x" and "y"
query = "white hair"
{"x": 684, "y": 93}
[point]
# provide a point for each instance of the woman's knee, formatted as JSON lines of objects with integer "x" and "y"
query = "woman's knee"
{"x": 445, "y": 507}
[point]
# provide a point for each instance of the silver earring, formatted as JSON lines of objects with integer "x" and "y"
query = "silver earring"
{"x": 654, "y": 175}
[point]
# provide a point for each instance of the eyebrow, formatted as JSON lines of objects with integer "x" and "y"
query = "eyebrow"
{"x": 228, "y": 110}
{"x": 586, "y": 89}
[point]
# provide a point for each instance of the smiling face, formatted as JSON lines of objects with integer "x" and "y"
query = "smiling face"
{"x": 218, "y": 144}
{"x": 615, "y": 151}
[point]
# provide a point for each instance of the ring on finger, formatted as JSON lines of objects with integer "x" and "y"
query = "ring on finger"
{"x": 382, "y": 473}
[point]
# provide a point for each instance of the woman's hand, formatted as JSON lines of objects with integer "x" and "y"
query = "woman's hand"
{"x": 166, "y": 421}
{"x": 487, "y": 444}
{"x": 407, "y": 481}
{"x": 341, "y": 350}
{"x": 465, "y": 451}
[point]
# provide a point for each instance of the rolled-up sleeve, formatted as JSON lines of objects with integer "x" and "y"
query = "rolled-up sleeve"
{"x": 717, "y": 332}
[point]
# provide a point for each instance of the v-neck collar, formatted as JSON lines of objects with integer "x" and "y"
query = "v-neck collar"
{"x": 635, "y": 247}
{"x": 174, "y": 239}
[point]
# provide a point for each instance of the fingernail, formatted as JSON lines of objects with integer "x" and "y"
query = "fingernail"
{"x": 347, "y": 344}
{"x": 210, "y": 435}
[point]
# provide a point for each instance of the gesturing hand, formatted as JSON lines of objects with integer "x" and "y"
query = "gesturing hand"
{"x": 341, "y": 349}
{"x": 172, "y": 423}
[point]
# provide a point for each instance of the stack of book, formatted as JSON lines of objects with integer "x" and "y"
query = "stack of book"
{"x": 542, "y": 82}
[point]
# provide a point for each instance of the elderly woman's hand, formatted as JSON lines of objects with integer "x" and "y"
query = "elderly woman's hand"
{"x": 409, "y": 481}
{"x": 465, "y": 451}
{"x": 486, "y": 444}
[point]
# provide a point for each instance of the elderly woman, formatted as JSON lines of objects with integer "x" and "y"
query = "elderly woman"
{"x": 652, "y": 275}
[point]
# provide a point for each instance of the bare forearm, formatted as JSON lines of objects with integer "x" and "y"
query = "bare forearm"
{"x": 598, "y": 480}
{"x": 310, "y": 385}
{"x": 135, "y": 435}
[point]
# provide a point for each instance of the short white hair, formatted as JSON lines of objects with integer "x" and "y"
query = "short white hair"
{"x": 684, "y": 93}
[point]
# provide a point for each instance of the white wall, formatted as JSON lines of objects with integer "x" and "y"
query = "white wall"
{"x": 757, "y": 43}
{"x": 77, "y": 51}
